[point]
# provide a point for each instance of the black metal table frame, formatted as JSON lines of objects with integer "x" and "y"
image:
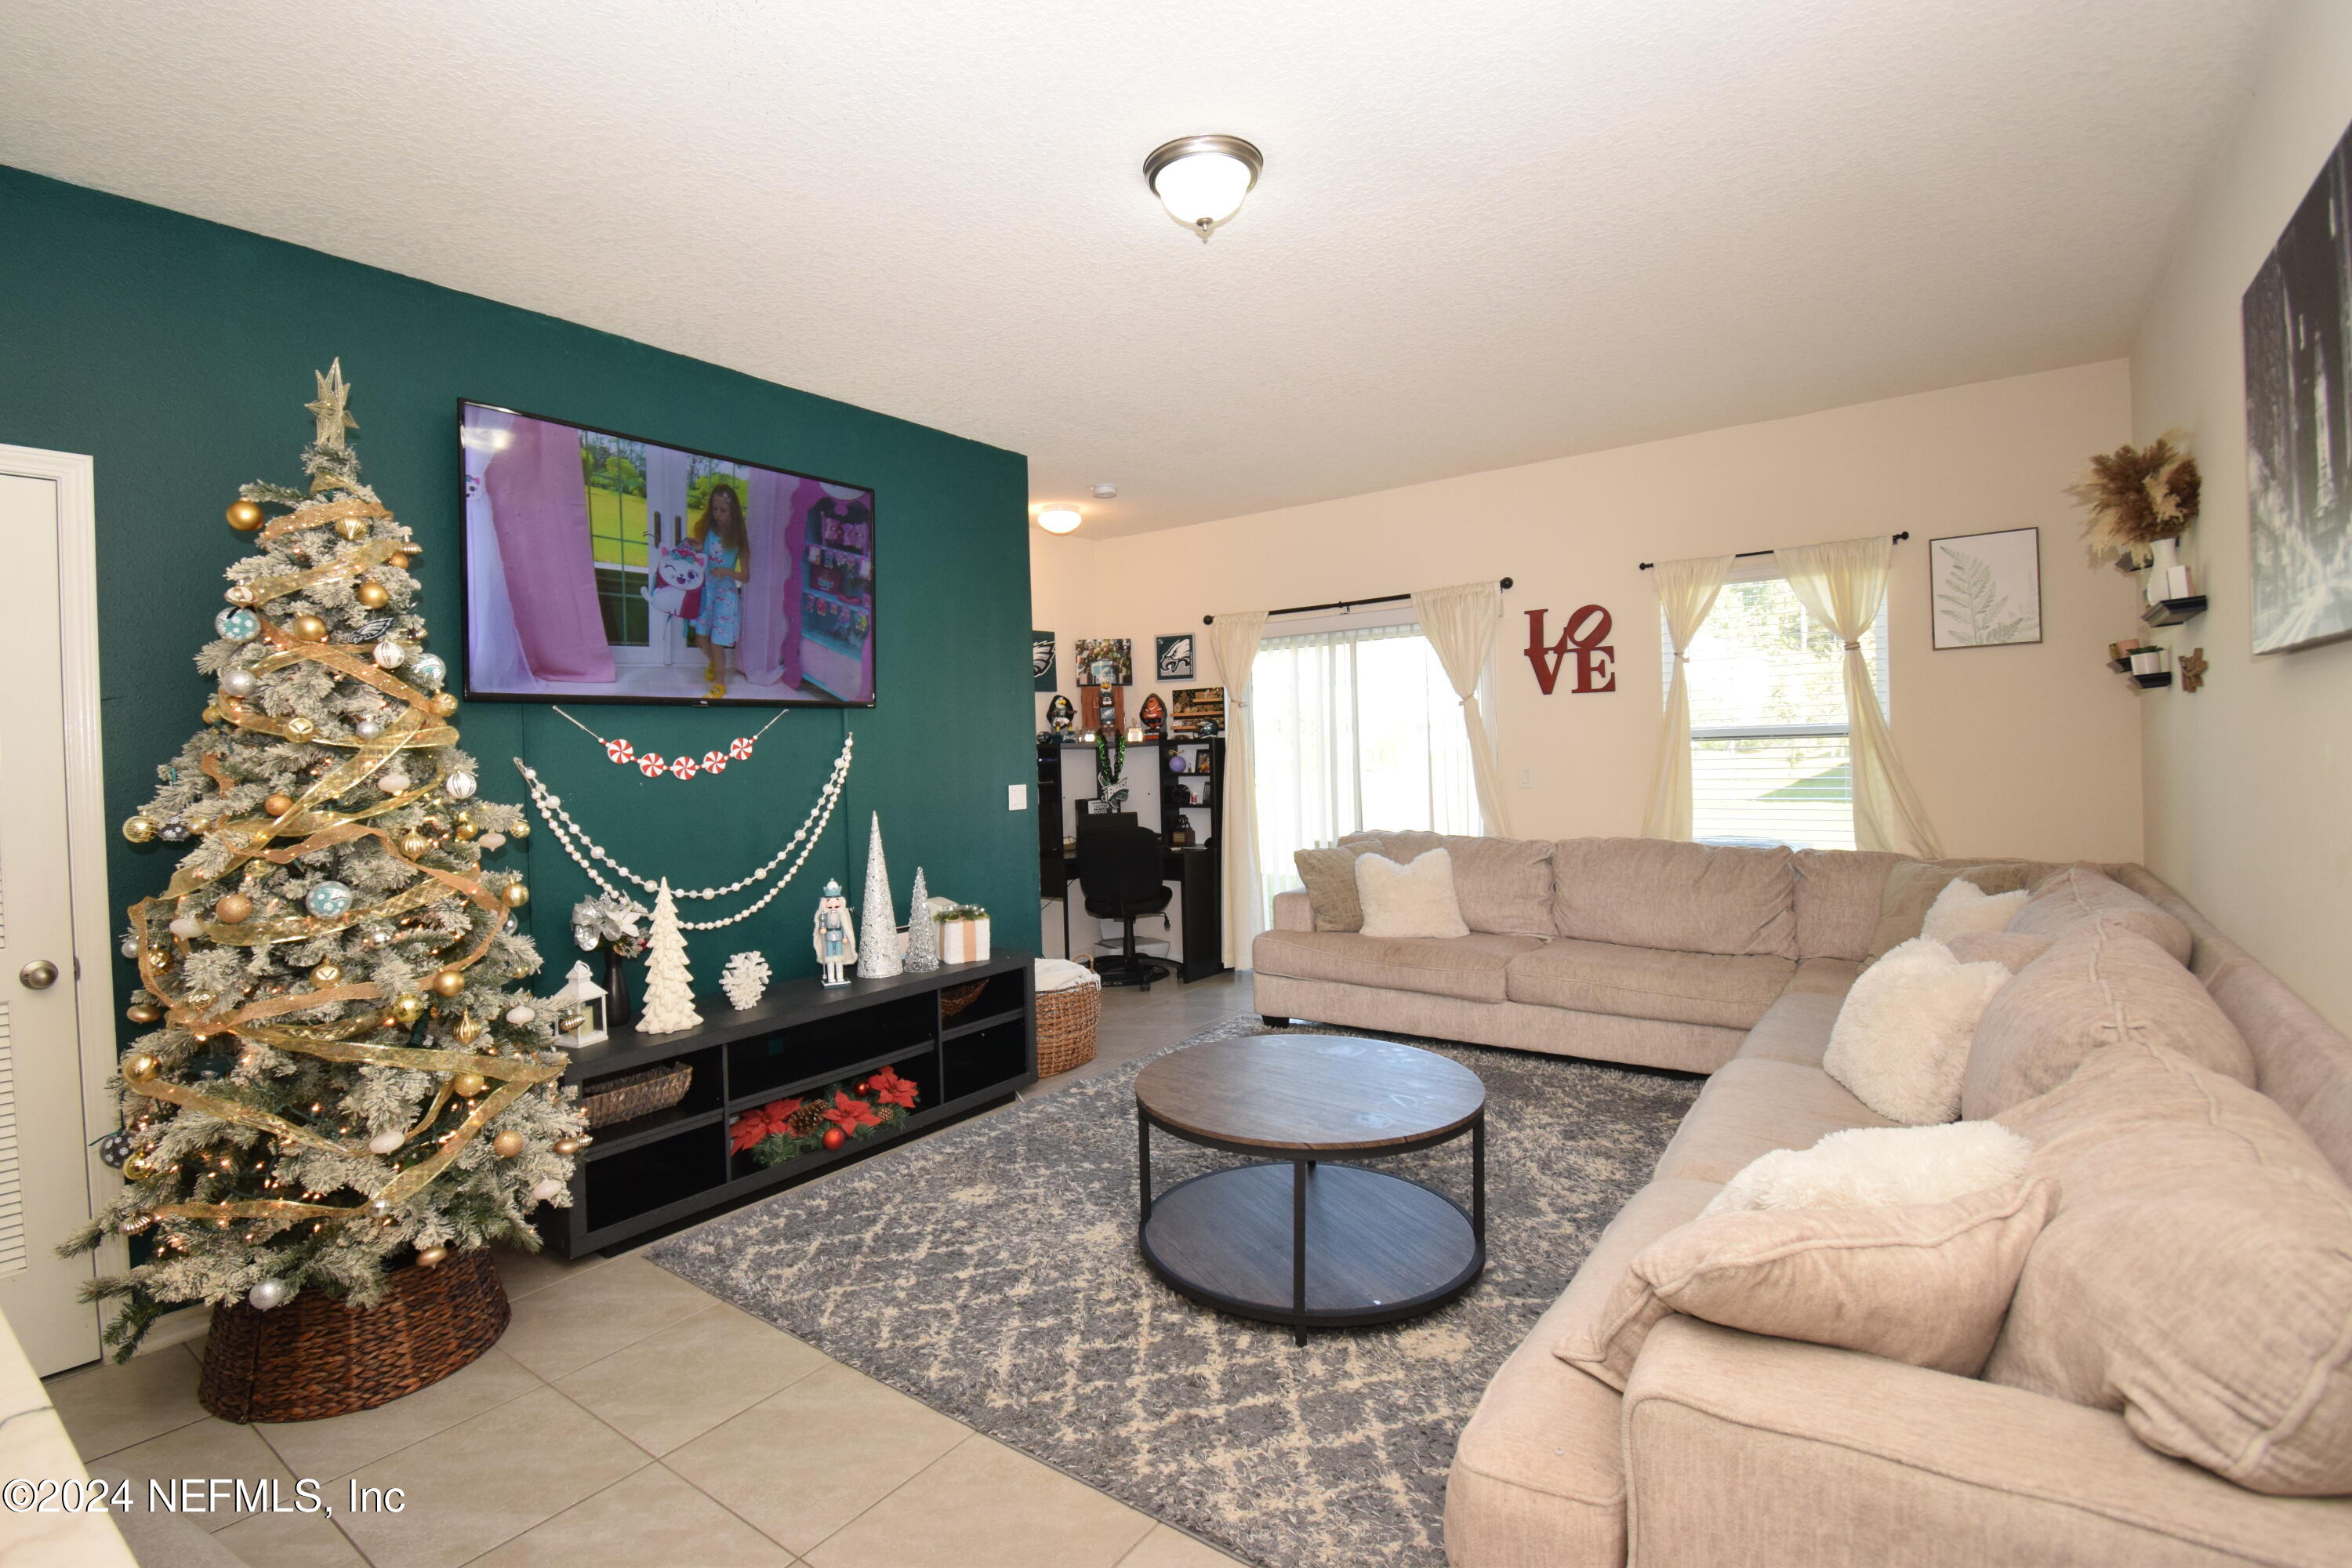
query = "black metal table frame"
{"x": 1300, "y": 1317}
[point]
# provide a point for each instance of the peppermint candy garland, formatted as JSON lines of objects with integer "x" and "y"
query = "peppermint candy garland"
{"x": 560, "y": 823}
{"x": 654, "y": 765}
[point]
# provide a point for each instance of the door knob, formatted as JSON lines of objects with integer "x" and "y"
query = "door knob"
{"x": 37, "y": 976}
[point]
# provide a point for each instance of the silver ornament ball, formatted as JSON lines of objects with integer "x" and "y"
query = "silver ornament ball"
{"x": 461, "y": 785}
{"x": 389, "y": 654}
{"x": 518, "y": 1017}
{"x": 367, "y": 729}
{"x": 386, "y": 1142}
{"x": 267, "y": 1294}
{"x": 238, "y": 681}
{"x": 548, "y": 1191}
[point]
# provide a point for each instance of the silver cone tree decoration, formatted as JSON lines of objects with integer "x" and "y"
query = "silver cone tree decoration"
{"x": 877, "y": 928}
{"x": 922, "y": 930}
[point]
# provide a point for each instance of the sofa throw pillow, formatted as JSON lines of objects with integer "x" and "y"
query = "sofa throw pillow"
{"x": 2196, "y": 1276}
{"x": 1409, "y": 901}
{"x": 2013, "y": 950}
{"x": 1901, "y": 1040}
{"x": 1870, "y": 1167}
{"x": 2100, "y": 985}
{"x": 1331, "y": 878}
{"x": 2082, "y": 893}
{"x": 1912, "y": 888}
{"x": 1963, "y": 907}
{"x": 1922, "y": 1283}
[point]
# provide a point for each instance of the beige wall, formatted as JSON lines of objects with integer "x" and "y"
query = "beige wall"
{"x": 2032, "y": 751}
{"x": 2249, "y": 781}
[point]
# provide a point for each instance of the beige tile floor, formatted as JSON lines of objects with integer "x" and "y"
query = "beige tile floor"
{"x": 629, "y": 1418}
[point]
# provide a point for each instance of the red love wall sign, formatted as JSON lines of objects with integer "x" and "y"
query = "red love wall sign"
{"x": 1595, "y": 661}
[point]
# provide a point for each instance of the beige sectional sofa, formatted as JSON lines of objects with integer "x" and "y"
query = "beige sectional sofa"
{"x": 1728, "y": 1447}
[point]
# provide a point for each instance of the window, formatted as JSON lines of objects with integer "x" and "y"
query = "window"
{"x": 1350, "y": 730}
{"x": 1768, "y": 739}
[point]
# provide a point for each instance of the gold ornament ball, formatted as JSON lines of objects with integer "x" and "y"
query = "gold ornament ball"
{"x": 507, "y": 1145}
{"x": 142, "y": 1013}
{"x": 468, "y": 1030}
{"x": 567, "y": 1147}
{"x": 140, "y": 1067}
{"x": 300, "y": 728}
{"x": 353, "y": 528}
{"x": 468, "y": 1084}
{"x": 467, "y": 830}
{"x": 234, "y": 909}
{"x": 308, "y": 628}
{"x": 138, "y": 1168}
{"x": 407, "y": 1007}
{"x": 443, "y": 704}
{"x": 324, "y": 976}
{"x": 400, "y": 559}
{"x": 374, "y": 595}
{"x": 431, "y": 1256}
{"x": 238, "y": 594}
{"x": 515, "y": 895}
{"x": 413, "y": 844}
{"x": 200, "y": 1000}
{"x": 448, "y": 982}
{"x": 279, "y": 805}
{"x": 141, "y": 828}
{"x": 211, "y": 715}
{"x": 243, "y": 516}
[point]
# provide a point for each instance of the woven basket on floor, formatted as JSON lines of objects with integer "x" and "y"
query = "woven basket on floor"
{"x": 315, "y": 1357}
{"x": 625, "y": 1096}
{"x": 1067, "y": 1022}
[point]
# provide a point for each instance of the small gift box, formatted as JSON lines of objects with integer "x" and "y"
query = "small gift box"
{"x": 964, "y": 935}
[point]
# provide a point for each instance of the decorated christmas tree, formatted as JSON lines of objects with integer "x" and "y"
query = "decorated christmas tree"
{"x": 669, "y": 984}
{"x": 341, "y": 1078}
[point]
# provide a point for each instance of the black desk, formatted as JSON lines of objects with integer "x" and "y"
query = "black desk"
{"x": 1194, "y": 872}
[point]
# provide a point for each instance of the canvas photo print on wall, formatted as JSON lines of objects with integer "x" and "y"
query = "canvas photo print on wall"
{"x": 1043, "y": 675}
{"x": 2299, "y": 421}
{"x": 1985, "y": 588}
{"x": 602, "y": 568}
{"x": 1175, "y": 657}
{"x": 1105, "y": 661}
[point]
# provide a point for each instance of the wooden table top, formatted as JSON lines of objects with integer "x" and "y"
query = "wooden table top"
{"x": 1317, "y": 1092}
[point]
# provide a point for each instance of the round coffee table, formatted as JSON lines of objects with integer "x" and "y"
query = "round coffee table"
{"x": 1296, "y": 1239}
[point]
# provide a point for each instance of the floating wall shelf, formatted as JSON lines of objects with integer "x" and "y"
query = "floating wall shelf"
{"x": 2172, "y": 612}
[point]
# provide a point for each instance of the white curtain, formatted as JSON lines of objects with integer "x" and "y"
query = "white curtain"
{"x": 1232, "y": 643}
{"x": 1459, "y": 622}
{"x": 1841, "y": 585}
{"x": 1686, "y": 590}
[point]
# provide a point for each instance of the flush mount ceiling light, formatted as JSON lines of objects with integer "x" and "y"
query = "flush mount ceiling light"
{"x": 1202, "y": 180}
{"x": 1059, "y": 520}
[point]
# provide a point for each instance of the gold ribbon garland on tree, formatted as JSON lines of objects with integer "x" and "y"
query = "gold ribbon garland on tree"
{"x": 422, "y": 725}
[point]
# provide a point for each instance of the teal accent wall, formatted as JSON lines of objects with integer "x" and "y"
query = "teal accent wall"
{"x": 178, "y": 354}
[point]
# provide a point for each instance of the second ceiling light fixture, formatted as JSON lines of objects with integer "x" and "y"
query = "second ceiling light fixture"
{"x": 1203, "y": 180}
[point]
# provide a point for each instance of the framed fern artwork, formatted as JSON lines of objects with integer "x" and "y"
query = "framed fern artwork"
{"x": 1985, "y": 588}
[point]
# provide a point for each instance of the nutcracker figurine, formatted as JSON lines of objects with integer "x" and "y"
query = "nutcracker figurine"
{"x": 835, "y": 936}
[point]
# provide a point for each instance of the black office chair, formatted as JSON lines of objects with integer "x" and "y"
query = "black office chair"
{"x": 1119, "y": 868}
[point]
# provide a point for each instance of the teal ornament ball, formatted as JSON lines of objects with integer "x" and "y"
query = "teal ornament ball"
{"x": 240, "y": 625}
{"x": 427, "y": 667}
{"x": 328, "y": 900}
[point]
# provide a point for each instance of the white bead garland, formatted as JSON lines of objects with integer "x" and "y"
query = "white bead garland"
{"x": 560, "y": 823}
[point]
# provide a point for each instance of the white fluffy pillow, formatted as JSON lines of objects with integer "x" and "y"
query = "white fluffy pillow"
{"x": 1964, "y": 907}
{"x": 1871, "y": 1167}
{"x": 1409, "y": 901}
{"x": 1901, "y": 1042}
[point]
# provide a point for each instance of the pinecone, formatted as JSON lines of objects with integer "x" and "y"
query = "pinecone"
{"x": 804, "y": 1122}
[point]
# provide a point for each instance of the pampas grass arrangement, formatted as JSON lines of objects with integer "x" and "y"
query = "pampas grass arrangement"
{"x": 2136, "y": 496}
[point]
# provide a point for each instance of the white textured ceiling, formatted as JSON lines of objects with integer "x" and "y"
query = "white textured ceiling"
{"x": 1486, "y": 234}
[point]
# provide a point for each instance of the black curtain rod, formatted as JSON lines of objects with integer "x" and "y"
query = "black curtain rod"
{"x": 1344, "y": 605}
{"x": 1744, "y": 554}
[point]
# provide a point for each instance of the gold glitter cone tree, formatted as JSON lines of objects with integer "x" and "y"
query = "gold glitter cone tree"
{"x": 343, "y": 1077}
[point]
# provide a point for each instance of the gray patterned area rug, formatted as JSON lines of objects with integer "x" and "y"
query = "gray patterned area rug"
{"x": 990, "y": 1271}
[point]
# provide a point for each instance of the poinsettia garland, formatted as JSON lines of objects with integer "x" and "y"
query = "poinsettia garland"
{"x": 785, "y": 1130}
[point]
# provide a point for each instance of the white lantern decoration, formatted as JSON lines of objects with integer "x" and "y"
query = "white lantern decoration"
{"x": 581, "y": 995}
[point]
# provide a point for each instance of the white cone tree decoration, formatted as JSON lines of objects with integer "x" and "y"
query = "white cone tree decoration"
{"x": 669, "y": 984}
{"x": 877, "y": 930}
{"x": 922, "y": 931}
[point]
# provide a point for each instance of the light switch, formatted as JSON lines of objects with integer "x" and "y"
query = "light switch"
{"x": 1016, "y": 798}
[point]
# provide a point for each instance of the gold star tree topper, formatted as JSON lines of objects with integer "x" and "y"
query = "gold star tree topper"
{"x": 330, "y": 459}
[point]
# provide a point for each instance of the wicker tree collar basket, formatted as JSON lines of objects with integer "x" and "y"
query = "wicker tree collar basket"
{"x": 315, "y": 1357}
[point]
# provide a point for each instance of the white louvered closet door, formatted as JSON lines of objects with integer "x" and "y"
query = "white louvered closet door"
{"x": 44, "y": 1152}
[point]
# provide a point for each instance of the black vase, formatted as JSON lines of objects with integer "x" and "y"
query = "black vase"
{"x": 618, "y": 1013}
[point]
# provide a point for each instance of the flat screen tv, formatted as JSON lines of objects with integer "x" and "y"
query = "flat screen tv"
{"x": 604, "y": 568}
